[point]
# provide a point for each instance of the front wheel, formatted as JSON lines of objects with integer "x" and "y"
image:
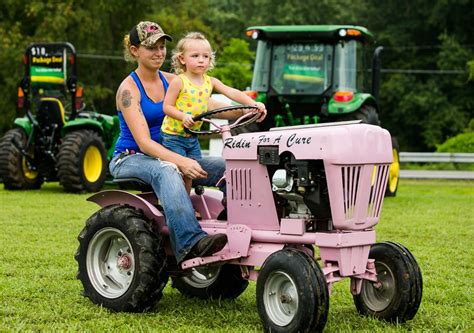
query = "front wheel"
{"x": 82, "y": 162}
{"x": 396, "y": 296}
{"x": 122, "y": 264}
{"x": 16, "y": 172}
{"x": 213, "y": 282}
{"x": 292, "y": 294}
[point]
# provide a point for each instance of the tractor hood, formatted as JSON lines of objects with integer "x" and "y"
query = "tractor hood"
{"x": 337, "y": 143}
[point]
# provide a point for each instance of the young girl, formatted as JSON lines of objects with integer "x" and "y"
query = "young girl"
{"x": 188, "y": 95}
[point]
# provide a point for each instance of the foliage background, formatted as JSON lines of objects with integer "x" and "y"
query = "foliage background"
{"x": 427, "y": 62}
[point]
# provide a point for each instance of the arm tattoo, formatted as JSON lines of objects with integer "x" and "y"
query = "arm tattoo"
{"x": 126, "y": 98}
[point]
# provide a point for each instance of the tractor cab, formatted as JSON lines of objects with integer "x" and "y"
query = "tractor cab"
{"x": 49, "y": 84}
{"x": 311, "y": 74}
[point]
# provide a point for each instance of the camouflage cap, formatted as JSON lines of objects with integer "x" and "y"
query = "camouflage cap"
{"x": 147, "y": 34}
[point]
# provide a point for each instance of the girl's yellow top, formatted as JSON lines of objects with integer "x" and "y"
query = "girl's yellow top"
{"x": 192, "y": 99}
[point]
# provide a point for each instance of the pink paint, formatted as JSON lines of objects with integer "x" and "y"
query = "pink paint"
{"x": 355, "y": 159}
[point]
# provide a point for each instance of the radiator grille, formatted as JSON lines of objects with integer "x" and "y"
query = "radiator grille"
{"x": 352, "y": 181}
{"x": 377, "y": 189}
{"x": 350, "y": 184}
{"x": 241, "y": 184}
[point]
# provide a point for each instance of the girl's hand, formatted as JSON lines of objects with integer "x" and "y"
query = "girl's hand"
{"x": 188, "y": 121}
{"x": 261, "y": 109}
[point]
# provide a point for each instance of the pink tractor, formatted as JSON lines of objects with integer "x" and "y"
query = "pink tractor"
{"x": 301, "y": 204}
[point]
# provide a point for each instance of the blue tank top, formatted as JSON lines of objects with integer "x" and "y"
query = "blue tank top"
{"x": 153, "y": 113}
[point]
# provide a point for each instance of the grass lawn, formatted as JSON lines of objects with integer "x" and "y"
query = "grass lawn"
{"x": 39, "y": 290}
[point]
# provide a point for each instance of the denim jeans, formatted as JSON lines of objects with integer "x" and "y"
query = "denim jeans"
{"x": 168, "y": 186}
{"x": 185, "y": 146}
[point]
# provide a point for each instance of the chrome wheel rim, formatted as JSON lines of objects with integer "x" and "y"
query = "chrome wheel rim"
{"x": 110, "y": 263}
{"x": 378, "y": 296}
{"x": 280, "y": 298}
{"x": 202, "y": 277}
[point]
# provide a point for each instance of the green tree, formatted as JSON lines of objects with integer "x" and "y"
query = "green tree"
{"x": 234, "y": 64}
{"x": 423, "y": 109}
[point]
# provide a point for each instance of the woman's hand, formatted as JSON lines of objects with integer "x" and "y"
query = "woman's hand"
{"x": 191, "y": 169}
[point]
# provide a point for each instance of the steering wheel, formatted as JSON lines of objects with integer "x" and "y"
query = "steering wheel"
{"x": 244, "y": 120}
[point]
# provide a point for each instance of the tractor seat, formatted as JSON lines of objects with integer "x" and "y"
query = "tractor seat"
{"x": 139, "y": 185}
{"x": 51, "y": 113}
{"x": 133, "y": 184}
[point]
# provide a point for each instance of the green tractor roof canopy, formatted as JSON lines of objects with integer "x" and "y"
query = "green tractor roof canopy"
{"x": 327, "y": 33}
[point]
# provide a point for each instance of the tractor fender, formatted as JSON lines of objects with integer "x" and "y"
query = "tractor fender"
{"x": 347, "y": 107}
{"x": 208, "y": 204}
{"x": 83, "y": 123}
{"x": 25, "y": 124}
{"x": 118, "y": 197}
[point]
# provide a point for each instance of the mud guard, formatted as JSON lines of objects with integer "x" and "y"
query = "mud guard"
{"x": 338, "y": 108}
{"x": 141, "y": 201}
{"x": 25, "y": 124}
{"x": 82, "y": 123}
{"x": 209, "y": 204}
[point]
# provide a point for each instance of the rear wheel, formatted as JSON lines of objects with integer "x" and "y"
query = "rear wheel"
{"x": 394, "y": 171}
{"x": 397, "y": 295}
{"x": 122, "y": 264}
{"x": 82, "y": 162}
{"x": 15, "y": 170}
{"x": 212, "y": 282}
{"x": 292, "y": 294}
{"x": 366, "y": 113}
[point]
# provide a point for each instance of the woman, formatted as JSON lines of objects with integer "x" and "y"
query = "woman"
{"x": 139, "y": 154}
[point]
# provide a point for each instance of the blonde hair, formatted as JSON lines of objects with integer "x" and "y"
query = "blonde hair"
{"x": 178, "y": 67}
{"x": 127, "y": 55}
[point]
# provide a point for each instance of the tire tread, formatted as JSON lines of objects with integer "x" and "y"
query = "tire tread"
{"x": 151, "y": 274}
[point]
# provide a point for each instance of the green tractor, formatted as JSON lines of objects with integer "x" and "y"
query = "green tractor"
{"x": 56, "y": 139}
{"x": 316, "y": 74}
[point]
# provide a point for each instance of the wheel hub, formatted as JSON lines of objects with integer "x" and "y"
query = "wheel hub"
{"x": 28, "y": 171}
{"x": 110, "y": 263}
{"x": 92, "y": 164}
{"x": 281, "y": 300}
{"x": 286, "y": 299}
{"x": 124, "y": 262}
{"x": 379, "y": 295}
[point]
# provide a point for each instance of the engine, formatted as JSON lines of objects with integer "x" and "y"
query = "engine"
{"x": 300, "y": 189}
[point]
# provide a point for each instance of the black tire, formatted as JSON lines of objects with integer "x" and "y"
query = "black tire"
{"x": 394, "y": 171}
{"x": 214, "y": 282}
{"x": 399, "y": 297}
{"x": 14, "y": 169}
{"x": 292, "y": 294}
{"x": 82, "y": 162}
{"x": 122, "y": 263}
{"x": 366, "y": 113}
